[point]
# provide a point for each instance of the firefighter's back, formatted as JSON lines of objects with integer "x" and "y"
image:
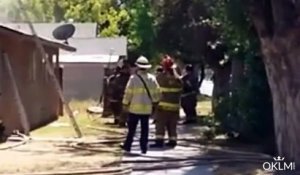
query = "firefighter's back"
{"x": 171, "y": 88}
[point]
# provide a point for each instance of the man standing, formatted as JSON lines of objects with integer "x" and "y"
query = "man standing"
{"x": 118, "y": 88}
{"x": 106, "y": 93}
{"x": 189, "y": 96}
{"x": 141, "y": 94}
{"x": 113, "y": 97}
{"x": 167, "y": 112}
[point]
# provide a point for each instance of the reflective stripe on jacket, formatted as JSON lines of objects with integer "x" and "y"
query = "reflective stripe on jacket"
{"x": 170, "y": 88}
{"x": 136, "y": 97}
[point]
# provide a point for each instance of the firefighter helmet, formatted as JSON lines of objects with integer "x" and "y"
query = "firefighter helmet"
{"x": 143, "y": 63}
{"x": 167, "y": 62}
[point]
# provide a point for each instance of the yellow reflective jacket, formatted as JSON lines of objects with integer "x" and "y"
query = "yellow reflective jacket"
{"x": 136, "y": 97}
{"x": 171, "y": 89}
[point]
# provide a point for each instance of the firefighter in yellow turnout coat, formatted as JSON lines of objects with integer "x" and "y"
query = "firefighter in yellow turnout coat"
{"x": 141, "y": 95}
{"x": 167, "y": 112}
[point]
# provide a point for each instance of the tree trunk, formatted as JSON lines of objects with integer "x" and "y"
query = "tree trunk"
{"x": 282, "y": 62}
{"x": 221, "y": 84}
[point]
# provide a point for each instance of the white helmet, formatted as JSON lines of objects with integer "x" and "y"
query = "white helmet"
{"x": 142, "y": 62}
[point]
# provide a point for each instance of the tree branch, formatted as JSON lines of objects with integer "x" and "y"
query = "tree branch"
{"x": 261, "y": 14}
{"x": 284, "y": 14}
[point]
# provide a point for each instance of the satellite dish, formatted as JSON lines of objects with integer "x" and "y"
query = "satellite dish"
{"x": 64, "y": 32}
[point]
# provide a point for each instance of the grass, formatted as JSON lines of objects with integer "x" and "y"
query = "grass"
{"x": 63, "y": 128}
{"x": 43, "y": 156}
{"x": 204, "y": 106}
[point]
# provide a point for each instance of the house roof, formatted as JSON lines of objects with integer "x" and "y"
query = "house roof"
{"x": 9, "y": 31}
{"x": 83, "y": 30}
{"x": 99, "y": 46}
{"x": 70, "y": 58}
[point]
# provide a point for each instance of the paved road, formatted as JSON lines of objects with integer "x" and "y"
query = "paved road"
{"x": 174, "y": 168}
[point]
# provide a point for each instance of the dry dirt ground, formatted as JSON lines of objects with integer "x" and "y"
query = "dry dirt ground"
{"x": 41, "y": 156}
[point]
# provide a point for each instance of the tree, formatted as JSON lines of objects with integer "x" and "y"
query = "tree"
{"x": 240, "y": 85}
{"x": 277, "y": 24}
{"x": 182, "y": 30}
{"x": 141, "y": 31}
{"x": 106, "y": 13}
{"x": 38, "y": 10}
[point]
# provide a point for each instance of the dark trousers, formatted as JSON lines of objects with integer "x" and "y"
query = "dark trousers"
{"x": 132, "y": 122}
{"x": 188, "y": 105}
{"x": 116, "y": 108}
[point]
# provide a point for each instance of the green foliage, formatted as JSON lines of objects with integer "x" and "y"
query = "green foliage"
{"x": 182, "y": 30}
{"x": 254, "y": 101}
{"x": 141, "y": 30}
{"x": 234, "y": 27}
{"x": 248, "y": 111}
{"x": 103, "y": 12}
{"x": 106, "y": 13}
{"x": 37, "y": 10}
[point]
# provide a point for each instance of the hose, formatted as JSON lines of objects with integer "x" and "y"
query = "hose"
{"x": 23, "y": 142}
{"x": 79, "y": 141}
{"x": 23, "y": 139}
{"x": 162, "y": 166}
{"x": 106, "y": 129}
{"x": 161, "y": 163}
{"x": 187, "y": 139}
{"x": 124, "y": 170}
{"x": 204, "y": 158}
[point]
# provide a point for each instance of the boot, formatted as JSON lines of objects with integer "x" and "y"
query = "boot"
{"x": 157, "y": 144}
{"x": 122, "y": 125}
{"x": 124, "y": 149}
{"x": 116, "y": 121}
{"x": 172, "y": 144}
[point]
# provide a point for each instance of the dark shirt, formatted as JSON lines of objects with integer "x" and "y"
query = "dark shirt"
{"x": 118, "y": 85}
{"x": 190, "y": 83}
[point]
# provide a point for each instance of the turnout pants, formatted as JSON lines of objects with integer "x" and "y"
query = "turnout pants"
{"x": 116, "y": 107}
{"x": 123, "y": 118}
{"x": 189, "y": 104}
{"x": 133, "y": 120}
{"x": 166, "y": 121}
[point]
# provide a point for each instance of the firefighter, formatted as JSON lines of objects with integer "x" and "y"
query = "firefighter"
{"x": 113, "y": 97}
{"x": 158, "y": 71}
{"x": 106, "y": 94}
{"x": 119, "y": 89}
{"x": 141, "y": 94}
{"x": 167, "y": 112}
{"x": 189, "y": 96}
